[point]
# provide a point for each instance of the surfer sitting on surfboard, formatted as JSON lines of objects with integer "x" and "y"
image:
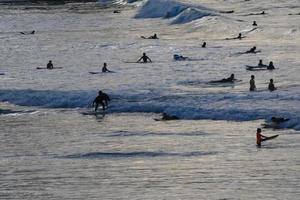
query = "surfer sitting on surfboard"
{"x": 102, "y": 99}
{"x": 145, "y": 58}
{"x": 50, "y": 65}
{"x": 104, "y": 68}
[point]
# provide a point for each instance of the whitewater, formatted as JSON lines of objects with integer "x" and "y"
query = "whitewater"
{"x": 50, "y": 149}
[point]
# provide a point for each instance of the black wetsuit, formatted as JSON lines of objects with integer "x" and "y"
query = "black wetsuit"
{"x": 49, "y": 66}
{"x": 101, "y": 99}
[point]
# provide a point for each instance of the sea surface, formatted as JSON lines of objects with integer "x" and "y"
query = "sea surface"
{"x": 52, "y": 146}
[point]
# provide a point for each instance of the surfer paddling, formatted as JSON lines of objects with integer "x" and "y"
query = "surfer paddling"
{"x": 102, "y": 99}
{"x": 230, "y": 79}
{"x": 145, "y": 58}
{"x": 239, "y": 37}
{"x": 150, "y": 37}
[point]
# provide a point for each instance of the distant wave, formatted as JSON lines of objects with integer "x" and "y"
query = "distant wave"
{"x": 179, "y": 12}
{"x": 221, "y": 106}
{"x": 95, "y": 155}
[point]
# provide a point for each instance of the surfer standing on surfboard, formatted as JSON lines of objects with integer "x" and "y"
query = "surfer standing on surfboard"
{"x": 259, "y": 137}
{"x": 102, "y": 99}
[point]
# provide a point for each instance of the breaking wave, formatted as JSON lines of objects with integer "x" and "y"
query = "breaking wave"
{"x": 179, "y": 12}
{"x": 221, "y": 106}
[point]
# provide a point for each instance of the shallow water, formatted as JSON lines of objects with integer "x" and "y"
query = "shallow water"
{"x": 51, "y": 149}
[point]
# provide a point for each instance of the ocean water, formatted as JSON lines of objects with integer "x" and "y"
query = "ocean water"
{"x": 51, "y": 149}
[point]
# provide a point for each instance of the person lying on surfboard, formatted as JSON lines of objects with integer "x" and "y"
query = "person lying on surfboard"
{"x": 165, "y": 116}
{"x": 102, "y": 99}
{"x": 278, "y": 120}
{"x": 230, "y": 79}
{"x": 150, "y": 37}
{"x": 50, "y": 65}
{"x": 145, "y": 58}
{"x": 235, "y": 38}
{"x": 252, "y": 50}
{"x": 178, "y": 57}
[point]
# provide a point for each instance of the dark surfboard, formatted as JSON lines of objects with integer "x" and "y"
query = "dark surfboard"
{"x": 49, "y": 69}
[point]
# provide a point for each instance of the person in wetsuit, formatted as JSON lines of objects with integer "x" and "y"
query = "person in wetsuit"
{"x": 179, "y": 57}
{"x": 252, "y": 83}
{"x": 278, "y": 120}
{"x": 270, "y": 66}
{"x": 252, "y": 50}
{"x": 254, "y": 23}
{"x": 259, "y": 137}
{"x": 230, "y": 79}
{"x": 165, "y": 116}
{"x": 271, "y": 86}
{"x": 104, "y": 68}
{"x": 50, "y": 65}
{"x": 153, "y": 36}
{"x": 204, "y": 45}
{"x": 145, "y": 58}
{"x": 102, "y": 99}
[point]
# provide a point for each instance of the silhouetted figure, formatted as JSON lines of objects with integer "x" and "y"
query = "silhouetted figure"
{"x": 179, "y": 57}
{"x": 252, "y": 83}
{"x": 270, "y": 66}
{"x": 50, "y": 65}
{"x": 153, "y": 36}
{"x": 102, "y": 99}
{"x": 145, "y": 58}
{"x": 28, "y": 33}
{"x": 230, "y": 79}
{"x": 260, "y": 63}
{"x": 238, "y": 37}
{"x": 252, "y": 50}
{"x": 259, "y": 137}
{"x": 165, "y": 116}
{"x": 271, "y": 86}
{"x": 278, "y": 120}
{"x": 117, "y": 11}
{"x": 150, "y": 37}
{"x": 203, "y": 45}
{"x": 254, "y": 23}
{"x": 104, "y": 68}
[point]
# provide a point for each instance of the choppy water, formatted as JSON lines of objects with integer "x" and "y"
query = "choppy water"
{"x": 50, "y": 150}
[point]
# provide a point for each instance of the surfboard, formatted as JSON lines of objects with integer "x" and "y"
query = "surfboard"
{"x": 95, "y": 72}
{"x": 49, "y": 69}
{"x": 270, "y": 138}
{"x": 92, "y": 112}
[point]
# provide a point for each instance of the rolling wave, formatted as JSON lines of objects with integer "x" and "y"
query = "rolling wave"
{"x": 179, "y": 12}
{"x": 221, "y": 106}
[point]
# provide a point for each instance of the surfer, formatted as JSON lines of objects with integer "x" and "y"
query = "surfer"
{"x": 165, "y": 116}
{"x": 50, "y": 65}
{"x": 203, "y": 45}
{"x": 252, "y": 50}
{"x": 104, "y": 68}
{"x": 259, "y": 137}
{"x": 230, "y": 79}
{"x": 28, "y": 33}
{"x": 252, "y": 83}
{"x": 278, "y": 120}
{"x": 270, "y": 66}
{"x": 238, "y": 37}
{"x": 271, "y": 86}
{"x": 150, "y": 37}
{"x": 260, "y": 64}
{"x": 254, "y": 23}
{"x": 179, "y": 57}
{"x": 102, "y": 99}
{"x": 145, "y": 58}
